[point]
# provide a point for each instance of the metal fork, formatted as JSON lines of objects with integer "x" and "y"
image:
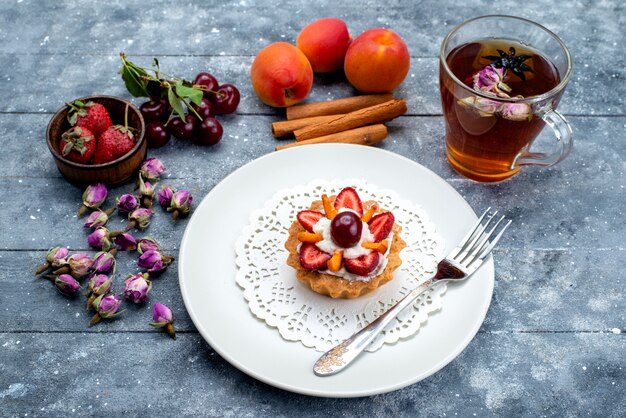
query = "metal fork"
{"x": 462, "y": 261}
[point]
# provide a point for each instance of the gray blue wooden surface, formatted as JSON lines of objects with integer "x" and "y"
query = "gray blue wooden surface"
{"x": 553, "y": 342}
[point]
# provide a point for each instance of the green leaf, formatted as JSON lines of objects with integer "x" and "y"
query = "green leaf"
{"x": 195, "y": 95}
{"x": 175, "y": 103}
{"x": 133, "y": 78}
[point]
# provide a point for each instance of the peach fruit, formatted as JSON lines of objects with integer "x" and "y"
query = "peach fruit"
{"x": 325, "y": 42}
{"x": 281, "y": 75}
{"x": 377, "y": 61}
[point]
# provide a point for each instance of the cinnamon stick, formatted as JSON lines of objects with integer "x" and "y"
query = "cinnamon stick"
{"x": 336, "y": 107}
{"x": 284, "y": 128}
{"x": 366, "y": 135}
{"x": 370, "y": 115}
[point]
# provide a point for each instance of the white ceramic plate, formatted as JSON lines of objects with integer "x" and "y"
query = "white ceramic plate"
{"x": 218, "y": 309}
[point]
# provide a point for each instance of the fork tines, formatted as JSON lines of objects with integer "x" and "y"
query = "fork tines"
{"x": 476, "y": 246}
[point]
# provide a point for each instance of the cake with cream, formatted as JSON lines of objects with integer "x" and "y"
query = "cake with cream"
{"x": 344, "y": 248}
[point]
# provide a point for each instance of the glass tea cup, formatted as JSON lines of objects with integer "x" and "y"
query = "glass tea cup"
{"x": 501, "y": 79}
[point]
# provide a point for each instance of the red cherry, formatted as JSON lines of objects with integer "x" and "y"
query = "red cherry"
{"x": 157, "y": 134}
{"x": 183, "y": 129}
{"x": 227, "y": 99}
{"x": 346, "y": 228}
{"x": 205, "y": 110}
{"x": 209, "y": 132}
{"x": 155, "y": 109}
{"x": 207, "y": 82}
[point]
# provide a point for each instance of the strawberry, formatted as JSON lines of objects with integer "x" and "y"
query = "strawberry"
{"x": 116, "y": 141}
{"x": 349, "y": 198}
{"x": 380, "y": 225}
{"x": 363, "y": 265}
{"x": 312, "y": 258}
{"x": 90, "y": 115}
{"x": 78, "y": 145}
{"x": 308, "y": 218}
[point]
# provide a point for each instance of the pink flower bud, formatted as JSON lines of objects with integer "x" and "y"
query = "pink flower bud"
{"x": 180, "y": 204}
{"x": 56, "y": 256}
{"x": 100, "y": 284}
{"x": 107, "y": 306}
{"x": 154, "y": 261}
{"x": 152, "y": 168}
{"x": 137, "y": 287}
{"x": 80, "y": 265}
{"x": 140, "y": 218}
{"x": 162, "y": 317}
{"x": 103, "y": 262}
{"x": 165, "y": 196}
{"x": 126, "y": 242}
{"x": 516, "y": 111}
{"x": 147, "y": 244}
{"x": 99, "y": 239}
{"x": 66, "y": 285}
{"x": 127, "y": 203}
{"x": 95, "y": 195}
{"x": 96, "y": 219}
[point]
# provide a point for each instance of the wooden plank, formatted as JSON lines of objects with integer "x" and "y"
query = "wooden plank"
{"x": 147, "y": 374}
{"x": 536, "y": 290}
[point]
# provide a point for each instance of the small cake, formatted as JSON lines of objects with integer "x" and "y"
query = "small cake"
{"x": 344, "y": 248}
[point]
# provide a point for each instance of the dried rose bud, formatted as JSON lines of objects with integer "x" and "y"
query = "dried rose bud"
{"x": 104, "y": 261}
{"x": 147, "y": 244}
{"x": 490, "y": 80}
{"x": 126, "y": 242}
{"x": 99, "y": 284}
{"x": 151, "y": 169}
{"x": 106, "y": 306}
{"x": 66, "y": 285}
{"x": 180, "y": 204}
{"x": 162, "y": 317}
{"x": 93, "y": 197}
{"x": 139, "y": 218}
{"x": 80, "y": 265}
{"x": 146, "y": 192}
{"x": 165, "y": 196}
{"x": 137, "y": 287}
{"x": 55, "y": 258}
{"x": 154, "y": 261}
{"x": 516, "y": 111}
{"x": 96, "y": 219}
{"x": 127, "y": 203}
{"x": 100, "y": 239}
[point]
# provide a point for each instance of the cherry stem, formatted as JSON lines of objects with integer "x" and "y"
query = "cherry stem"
{"x": 190, "y": 108}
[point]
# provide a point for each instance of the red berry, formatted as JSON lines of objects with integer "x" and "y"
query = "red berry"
{"x": 208, "y": 83}
{"x": 349, "y": 198}
{"x": 312, "y": 258}
{"x": 363, "y": 265}
{"x": 113, "y": 143}
{"x": 90, "y": 115}
{"x": 183, "y": 129}
{"x": 380, "y": 225}
{"x": 308, "y": 218}
{"x": 205, "y": 110}
{"x": 227, "y": 99}
{"x": 78, "y": 145}
{"x": 155, "y": 109}
{"x": 157, "y": 134}
{"x": 209, "y": 132}
{"x": 346, "y": 228}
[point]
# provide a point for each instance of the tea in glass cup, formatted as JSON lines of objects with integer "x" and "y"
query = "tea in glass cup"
{"x": 501, "y": 79}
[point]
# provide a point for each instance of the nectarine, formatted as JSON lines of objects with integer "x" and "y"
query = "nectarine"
{"x": 281, "y": 75}
{"x": 377, "y": 61}
{"x": 324, "y": 42}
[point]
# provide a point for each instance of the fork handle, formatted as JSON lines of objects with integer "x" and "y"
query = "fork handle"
{"x": 340, "y": 356}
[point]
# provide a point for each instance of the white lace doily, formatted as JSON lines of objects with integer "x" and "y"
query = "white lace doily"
{"x": 277, "y": 297}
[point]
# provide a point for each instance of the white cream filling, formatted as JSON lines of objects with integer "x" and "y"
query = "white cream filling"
{"x": 327, "y": 245}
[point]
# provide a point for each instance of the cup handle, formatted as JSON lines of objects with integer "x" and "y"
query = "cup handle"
{"x": 562, "y": 132}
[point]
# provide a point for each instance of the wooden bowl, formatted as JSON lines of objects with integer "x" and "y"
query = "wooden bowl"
{"x": 113, "y": 173}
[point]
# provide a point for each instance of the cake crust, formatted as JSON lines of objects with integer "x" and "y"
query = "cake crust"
{"x": 334, "y": 286}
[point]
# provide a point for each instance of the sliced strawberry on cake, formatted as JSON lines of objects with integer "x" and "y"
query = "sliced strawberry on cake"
{"x": 380, "y": 225}
{"x": 348, "y": 198}
{"x": 308, "y": 218}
